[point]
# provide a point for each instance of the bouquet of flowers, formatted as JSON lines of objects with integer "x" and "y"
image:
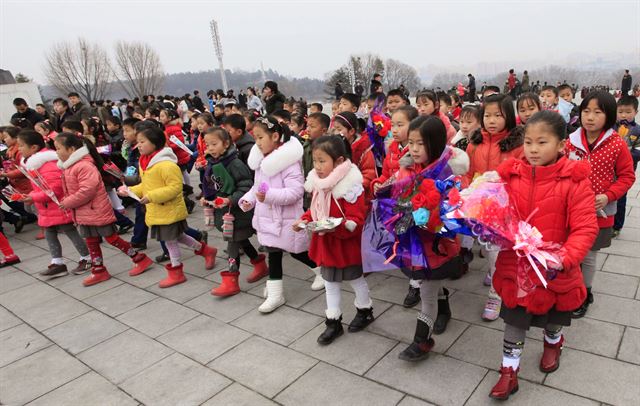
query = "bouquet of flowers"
{"x": 378, "y": 127}
{"x": 13, "y": 195}
{"x": 37, "y": 179}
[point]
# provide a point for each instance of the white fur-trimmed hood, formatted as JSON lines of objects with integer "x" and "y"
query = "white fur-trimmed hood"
{"x": 74, "y": 158}
{"x": 347, "y": 188}
{"x": 576, "y": 139}
{"x": 165, "y": 154}
{"x": 40, "y": 158}
{"x": 286, "y": 155}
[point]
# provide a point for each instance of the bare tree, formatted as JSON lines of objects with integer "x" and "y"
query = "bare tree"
{"x": 139, "y": 68}
{"x": 398, "y": 73}
{"x": 82, "y": 67}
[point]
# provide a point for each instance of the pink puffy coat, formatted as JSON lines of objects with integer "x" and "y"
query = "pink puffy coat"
{"x": 84, "y": 191}
{"x": 273, "y": 219}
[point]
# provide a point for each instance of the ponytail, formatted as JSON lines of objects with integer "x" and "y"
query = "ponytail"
{"x": 70, "y": 140}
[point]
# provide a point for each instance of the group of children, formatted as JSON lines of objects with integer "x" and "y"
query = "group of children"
{"x": 260, "y": 177}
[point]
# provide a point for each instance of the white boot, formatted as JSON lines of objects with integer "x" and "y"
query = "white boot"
{"x": 318, "y": 282}
{"x": 275, "y": 297}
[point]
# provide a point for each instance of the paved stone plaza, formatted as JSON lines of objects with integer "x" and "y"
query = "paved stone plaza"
{"x": 127, "y": 342}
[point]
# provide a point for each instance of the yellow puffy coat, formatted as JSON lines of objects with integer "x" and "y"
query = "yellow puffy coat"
{"x": 162, "y": 185}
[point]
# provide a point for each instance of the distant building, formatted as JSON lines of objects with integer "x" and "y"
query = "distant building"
{"x": 6, "y": 78}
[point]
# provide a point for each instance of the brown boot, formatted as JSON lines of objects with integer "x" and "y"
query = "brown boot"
{"x": 55, "y": 270}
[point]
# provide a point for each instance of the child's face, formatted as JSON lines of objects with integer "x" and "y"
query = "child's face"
{"x": 288, "y": 107}
{"x": 394, "y": 102}
{"x": 345, "y": 105}
{"x": 340, "y": 129}
{"x": 41, "y": 130}
{"x": 228, "y": 111}
{"x": 314, "y": 109}
{"x": 129, "y": 134}
{"x": 566, "y": 94}
{"x": 335, "y": 108}
{"x": 26, "y": 150}
{"x": 526, "y": 110}
{"x": 294, "y": 127}
{"x": 541, "y": 146}
{"x": 548, "y": 97}
{"x": 425, "y": 106}
{"x": 416, "y": 148}
{"x": 215, "y": 146}
{"x": 164, "y": 118}
{"x": 323, "y": 163}
{"x": 202, "y": 125}
{"x": 400, "y": 127}
{"x": 493, "y": 119}
{"x": 265, "y": 141}
{"x": 63, "y": 152}
{"x": 468, "y": 124}
{"x": 9, "y": 141}
{"x": 370, "y": 104}
{"x": 315, "y": 129}
{"x": 444, "y": 107}
{"x": 626, "y": 113}
{"x": 218, "y": 111}
{"x": 112, "y": 127}
{"x": 235, "y": 133}
{"x": 145, "y": 146}
{"x": 592, "y": 117}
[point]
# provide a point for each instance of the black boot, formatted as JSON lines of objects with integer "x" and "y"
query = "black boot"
{"x": 444, "y": 314}
{"x": 190, "y": 205}
{"x": 363, "y": 318}
{"x": 421, "y": 346}
{"x": 582, "y": 310}
{"x": 466, "y": 256}
{"x": 412, "y": 298}
{"x": 334, "y": 330}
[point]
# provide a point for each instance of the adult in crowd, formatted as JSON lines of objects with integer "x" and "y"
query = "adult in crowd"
{"x": 511, "y": 84}
{"x": 78, "y": 109}
{"x": 61, "y": 113}
{"x": 273, "y": 99}
{"x": 471, "y": 88}
{"x": 338, "y": 91}
{"x": 253, "y": 101}
{"x": 525, "y": 82}
{"x": 627, "y": 82}
{"x": 197, "y": 101}
{"x": 23, "y": 111}
{"x": 376, "y": 84}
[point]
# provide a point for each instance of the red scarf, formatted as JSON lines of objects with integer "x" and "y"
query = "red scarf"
{"x": 145, "y": 159}
{"x": 585, "y": 140}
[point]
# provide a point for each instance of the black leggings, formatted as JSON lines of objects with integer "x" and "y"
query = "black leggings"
{"x": 233, "y": 250}
{"x": 275, "y": 263}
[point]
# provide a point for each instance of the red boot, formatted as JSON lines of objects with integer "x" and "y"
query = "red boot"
{"x": 142, "y": 263}
{"x": 98, "y": 274}
{"x": 175, "y": 276}
{"x": 40, "y": 235}
{"x": 260, "y": 269}
{"x": 550, "y": 360}
{"x": 507, "y": 384}
{"x": 229, "y": 285}
{"x": 209, "y": 254}
{"x": 9, "y": 260}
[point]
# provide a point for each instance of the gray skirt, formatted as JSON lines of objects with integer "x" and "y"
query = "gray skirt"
{"x": 168, "y": 232}
{"x": 97, "y": 231}
{"x": 603, "y": 240}
{"x": 349, "y": 273}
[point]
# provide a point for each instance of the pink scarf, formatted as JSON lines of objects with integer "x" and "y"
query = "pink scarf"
{"x": 322, "y": 188}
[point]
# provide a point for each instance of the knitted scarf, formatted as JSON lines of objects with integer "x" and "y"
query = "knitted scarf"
{"x": 322, "y": 191}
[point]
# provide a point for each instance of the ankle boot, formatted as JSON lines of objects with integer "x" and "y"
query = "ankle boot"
{"x": 209, "y": 254}
{"x": 444, "y": 314}
{"x": 550, "y": 360}
{"x": 363, "y": 318}
{"x": 260, "y": 269}
{"x": 507, "y": 384}
{"x": 275, "y": 296}
{"x": 318, "y": 281}
{"x": 229, "y": 285}
{"x": 98, "y": 274}
{"x": 582, "y": 310}
{"x": 141, "y": 263}
{"x": 421, "y": 346}
{"x": 334, "y": 330}
{"x": 412, "y": 298}
{"x": 175, "y": 276}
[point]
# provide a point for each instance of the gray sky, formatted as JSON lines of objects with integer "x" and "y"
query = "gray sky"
{"x": 312, "y": 38}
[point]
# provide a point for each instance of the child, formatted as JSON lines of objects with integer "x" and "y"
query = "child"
{"x": 346, "y": 125}
{"x": 86, "y": 198}
{"x": 298, "y": 125}
{"x": 456, "y": 107}
{"x": 611, "y": 175}
{"x": 527, "y": 105}
{"x": 428, "y": 104}
{"x": 160, "y": 191}
{"x": 315, "y": 108}
{"x": 235, "y": 125}
{"x": 396, "y": 99}
{"x": 317, "y": 125}
{"x": 10, "y": 258}
{"x": 250, "y": 117}
{"x": 336, "y": 185}
{"x": 348, "y": 102}
{"x": 498, "y": 140}
{"x": 45, "y": 129}
{"x": 203, "y": 122}
{"x": 628, "y": 129}
{"x": 50, "y": 217}
{"x": 554, "y": 195}
{"x": 226, "y": 180}
{"x": 277, "y": 197}
{"x": 132, "y": 177}
{"x": 114, "y": 131}
{"x": 469, "y": 123}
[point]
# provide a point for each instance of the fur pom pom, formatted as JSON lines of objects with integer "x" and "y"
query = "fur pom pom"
{"x": 459, "y": 162}
{"x": 350, "y": 225}
{"x": 406, "y": 161}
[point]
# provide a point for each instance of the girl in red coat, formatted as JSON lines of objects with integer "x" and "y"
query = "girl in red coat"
{"x": 555, "y": 195}
{"x": 336, "y": 187}
{"x": 612, "y": 173}
{"x": 51, "y": 218}
{"x": 87, "y": 200}
{"x": 428, "y": 104}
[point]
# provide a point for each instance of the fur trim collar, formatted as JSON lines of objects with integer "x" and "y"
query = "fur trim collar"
{"x": 350, "y": 184}
{"x": 40, "y": 158}
{"x": 284, "y": 156}
{"x": 459, "y": 161}
{"x": 74, "y": 158}
{"x": 576, "y": 139}
{"x": 165, "y": 154}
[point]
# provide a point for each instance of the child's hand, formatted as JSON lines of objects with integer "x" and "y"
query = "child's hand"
{"x": 144, "y": 200}
{"x": 376, "y": 187}
{"x": 299, "y": 225}
{"x": 246, "y": 206}
{"x": 601, "y": 201}
{"x": 260, "y": 197}
{"x": 203, "y": 202}
{"x": 27, "y": 199}
{"x": 122, "y": 191}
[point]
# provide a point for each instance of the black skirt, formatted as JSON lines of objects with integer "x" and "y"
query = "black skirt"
{"x": 519, "y": 317}
{"x": 603, "y": 240}
{"x": 452, "y": 267}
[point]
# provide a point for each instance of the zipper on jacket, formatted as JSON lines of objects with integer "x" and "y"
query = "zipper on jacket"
{"x": 489, "y": 151}
{"x": 531, "y": 190}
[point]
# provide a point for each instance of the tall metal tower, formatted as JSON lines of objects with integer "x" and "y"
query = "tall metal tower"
{"x": 217, "y": 44}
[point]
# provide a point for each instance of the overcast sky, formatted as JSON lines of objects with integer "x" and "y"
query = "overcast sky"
{"x": 310, "y": 39}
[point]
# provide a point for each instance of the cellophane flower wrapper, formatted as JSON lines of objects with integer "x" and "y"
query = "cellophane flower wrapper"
{"x": 378, "y": 126}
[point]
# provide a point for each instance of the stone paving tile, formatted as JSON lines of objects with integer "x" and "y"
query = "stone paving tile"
{"x": 596, "y": 377}
{"x": 147, "y": 279}
{"x": 622, "y": 264}
{"x": 442, "y": 380}
{"x": 345, "y": 389}
{"x": 8, "y": 320}
{"x": 120, "y": 299}
{"x": 53, "y": 312}
{"x": 615, "y": 284}
{"x": 21, "y": 299}
{"x": 630, "y": 233}
{"x": 373, "y": 279}
{"x": 203, "y": 338}
{"x": 296, "y": 292}
{"x": 83, "y": 332}
{"x": 124, "y": 355}
{"x": 615, "y": 309}
{"x": 580, "y": 336}
{"x": 263, "y": 366}
{"x": 318, "y": 306}
{"x": 245, "y": 286}
{"x": 238, "y": 395}
{"x": 468, "y": 307}
{"x": 157, "y": 316}
{"x": 176, "y": 380}
{"x": 194, "y": 266}
{"x": 355, "y": 352}
{"x": 393, "y": 290}
{"x": 530, "y": 394}
{"x": 184, "y": 292}
{"x": 19, "y": 342}
{"x": 76, "y": 289}
{"x": 86, "y": 390}
{"x": 411, "y": 401}
{"x": 283, "y": 326}
{"x": 630, "y": 347}
{"x": 37, "y": 374}
{"x": 225, "y": 309}
{"x": 14, "y": 280}
{"x": 28, "y": 253}
{"x": 624, "y": 248}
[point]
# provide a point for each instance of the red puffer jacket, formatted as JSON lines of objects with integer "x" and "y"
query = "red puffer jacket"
{"x": 391, "y": 162}
{"x": 49, "y": 214}
{"x": 174, "y": 129}
{"x": 363, "y": 158}
{"x": 16, "y": 179}
{"x": 563, "y": 196}
{"x": 486, "y": 151}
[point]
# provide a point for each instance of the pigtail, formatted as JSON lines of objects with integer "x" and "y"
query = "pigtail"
{"x": 97, "y": 158}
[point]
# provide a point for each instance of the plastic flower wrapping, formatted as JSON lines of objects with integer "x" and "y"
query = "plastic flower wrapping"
{"x": 378, "y": 127}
